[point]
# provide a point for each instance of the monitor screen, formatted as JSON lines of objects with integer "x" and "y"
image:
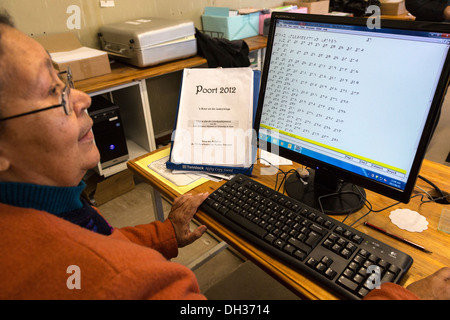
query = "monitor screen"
{"x": 352, "y": 102}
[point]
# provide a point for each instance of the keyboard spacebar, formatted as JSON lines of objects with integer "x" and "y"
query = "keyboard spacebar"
{"x": 246, "y": 224}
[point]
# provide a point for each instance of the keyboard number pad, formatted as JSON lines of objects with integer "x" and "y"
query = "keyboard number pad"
{"x": 365, "y": 272}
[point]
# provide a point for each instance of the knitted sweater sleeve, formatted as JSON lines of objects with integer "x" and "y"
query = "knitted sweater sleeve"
{"x": 157, "y": 235}
{"x": 390, "y": 291}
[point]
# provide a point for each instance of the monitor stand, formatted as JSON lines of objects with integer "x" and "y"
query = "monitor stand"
{"x": 335, "y": 196}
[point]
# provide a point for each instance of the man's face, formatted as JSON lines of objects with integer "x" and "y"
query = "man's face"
{"x": 49, "y": 147}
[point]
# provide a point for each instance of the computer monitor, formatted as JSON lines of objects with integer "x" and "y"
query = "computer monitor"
{"x": 357, "y": 104}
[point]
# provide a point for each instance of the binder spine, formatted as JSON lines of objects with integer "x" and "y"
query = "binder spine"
{"x": 210, "y": 169}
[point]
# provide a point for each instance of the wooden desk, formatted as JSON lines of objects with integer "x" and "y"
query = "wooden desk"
{"x": 424, "y": 264}
{"x": 405, "y": 16}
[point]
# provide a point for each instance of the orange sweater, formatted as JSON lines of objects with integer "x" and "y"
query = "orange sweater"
{"x": 391, "y": 291}
{"x": 38, "y": 248}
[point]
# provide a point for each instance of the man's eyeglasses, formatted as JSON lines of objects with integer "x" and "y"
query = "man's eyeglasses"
{"x": 66, "y": 77}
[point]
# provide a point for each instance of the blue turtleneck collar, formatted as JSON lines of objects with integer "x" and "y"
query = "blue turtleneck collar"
{"x": 55, "y": 200}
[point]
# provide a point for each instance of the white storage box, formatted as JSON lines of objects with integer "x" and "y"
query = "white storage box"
{"x": 149, "y": 41}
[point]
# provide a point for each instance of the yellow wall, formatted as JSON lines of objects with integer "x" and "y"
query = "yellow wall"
{"x": 36, "y": 17}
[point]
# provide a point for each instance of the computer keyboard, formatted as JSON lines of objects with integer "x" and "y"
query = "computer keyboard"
{"x": 341, "y": 258}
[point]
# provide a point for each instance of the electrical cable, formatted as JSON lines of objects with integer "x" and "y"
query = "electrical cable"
{"x": 366, "y": 202}
{"x": 443, "y": 198}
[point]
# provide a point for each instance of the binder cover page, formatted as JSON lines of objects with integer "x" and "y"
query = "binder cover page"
{"x": 214, "y": 121}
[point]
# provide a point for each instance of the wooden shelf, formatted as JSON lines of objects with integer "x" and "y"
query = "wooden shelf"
{"x": 122, "y": 73}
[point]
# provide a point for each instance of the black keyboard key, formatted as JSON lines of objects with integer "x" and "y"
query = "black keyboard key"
{"x": 311, "y": 262}
{"x": 394, "y": 269}
{"x": 300, "y": 245}
{"x": 388, "y": 277}
{"x": 327, "y": 243}
{"x": 300, "y": 255}
{"x": 289, "y": 248}
{"x": 279, "y": 243}
{"x": 328, "y": 224}
{"x": 327, "y": 261}
{"x": 313, "y": 239}
{"x": 339, "y": 230}
{"x": 347, "y": 283}
{"x": 363, "y": 292}
{"x": 358, "y": 278}
{"x": 345, "y": 253}
{"x": 373, "y": 258}
{"x": 321, "y": 267}
{"x": 223, "y": 210}
{"x": 270, "y": 238}
{"x": 314, "y": 227}
{"x": 383, "y": 264}
{"x": 357, "y": 239}
{"x": 330, "y": 273}
{"x": 247, "y": 224}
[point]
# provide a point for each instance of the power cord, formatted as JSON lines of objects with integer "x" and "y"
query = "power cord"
{"x": 440, "y": 198}
{"x": 278, "y": 173}
{"x": 366, "y": 202}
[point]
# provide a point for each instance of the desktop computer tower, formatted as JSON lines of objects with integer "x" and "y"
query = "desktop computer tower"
{"x": 108, "y": 132}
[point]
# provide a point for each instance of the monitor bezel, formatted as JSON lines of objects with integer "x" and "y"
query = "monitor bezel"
{"x": 431, "y": 122}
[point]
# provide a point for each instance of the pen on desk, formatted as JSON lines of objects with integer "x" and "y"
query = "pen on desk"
{"x": 415, "y": 245}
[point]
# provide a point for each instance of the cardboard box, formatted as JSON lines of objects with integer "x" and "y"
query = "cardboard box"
{"x": 264, "y": 18}
{"x": 101, "y": 190}
{"x": 393, "y": 8}
{"x": 67, "y": 51}
{"x": 218, "y": 23}
{"x": 315, "y": 7}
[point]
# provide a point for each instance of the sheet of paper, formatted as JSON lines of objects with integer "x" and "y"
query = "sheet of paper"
{"x": 273, "y": 159}
{"x": 146, "y": 161}
{"x": 179, "y": 179}
{"x": 77, "y": 54}
{"x": 214, "y": 124}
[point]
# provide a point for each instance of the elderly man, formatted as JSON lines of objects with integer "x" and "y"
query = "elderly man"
{"x": 56, "y": 246}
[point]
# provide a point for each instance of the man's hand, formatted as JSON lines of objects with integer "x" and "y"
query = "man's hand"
{"x": 434, "y": 287}
{"x": 183, "y": 210}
